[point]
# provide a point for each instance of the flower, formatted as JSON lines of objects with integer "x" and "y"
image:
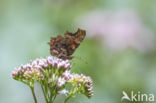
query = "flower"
{"x": 35, "y": 70}
{"x": 53, "y": 75}
{"x": 83, "y": 84}
{"x": 61, "y": 81}
{"x": 64, "y": 91}
{"x": 66, "y": 75}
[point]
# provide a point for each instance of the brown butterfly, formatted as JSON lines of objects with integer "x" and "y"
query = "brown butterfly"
{"x": 64, "y": 47}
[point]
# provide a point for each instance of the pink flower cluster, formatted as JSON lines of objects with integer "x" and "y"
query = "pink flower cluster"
{"x": 56, "y": 73}
{"x": 83, "y": 81}
{"x": 35, "y": 69}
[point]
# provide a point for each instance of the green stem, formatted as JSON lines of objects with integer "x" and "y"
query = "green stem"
{"x": 51, "y": 96}
{"x": 67, "y": 98}
{"x": 52, "y": 92}
{"x": 33, "y": 93}
{"x": 54, "y": 99}
{"x": 44, "y": 94}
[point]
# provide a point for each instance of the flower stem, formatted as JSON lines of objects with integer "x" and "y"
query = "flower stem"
{"x": 45, "y": 96}
{"x": 67, "y": 98}
{"x": 33, "y": 93}
{"x": 54, "y": 98}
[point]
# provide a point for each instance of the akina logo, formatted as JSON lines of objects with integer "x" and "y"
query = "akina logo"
{"x": 137, "y": 97}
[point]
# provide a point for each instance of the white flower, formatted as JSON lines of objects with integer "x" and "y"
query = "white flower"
{"x": 50, "y": 60}
{"x": 64, "y": 91}
{"x": 67, "y": 75}
{"x": 60, "y": 82}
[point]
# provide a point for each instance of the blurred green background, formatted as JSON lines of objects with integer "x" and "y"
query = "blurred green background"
{"x": 119, "y": 48}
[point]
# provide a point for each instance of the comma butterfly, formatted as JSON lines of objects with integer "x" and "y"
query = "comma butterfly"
{"x": 64, "y": 47}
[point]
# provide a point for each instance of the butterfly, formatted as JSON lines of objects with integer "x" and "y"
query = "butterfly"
{"x": 64, "y": 47}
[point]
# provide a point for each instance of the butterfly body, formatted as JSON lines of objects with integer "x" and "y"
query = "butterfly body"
{"x": 64, "y": 47}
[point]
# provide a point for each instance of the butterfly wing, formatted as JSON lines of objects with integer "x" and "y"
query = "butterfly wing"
{"x": 58, "y": 47}
{"x": 64, "y": 47}
{"x": 74, "y": 40}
